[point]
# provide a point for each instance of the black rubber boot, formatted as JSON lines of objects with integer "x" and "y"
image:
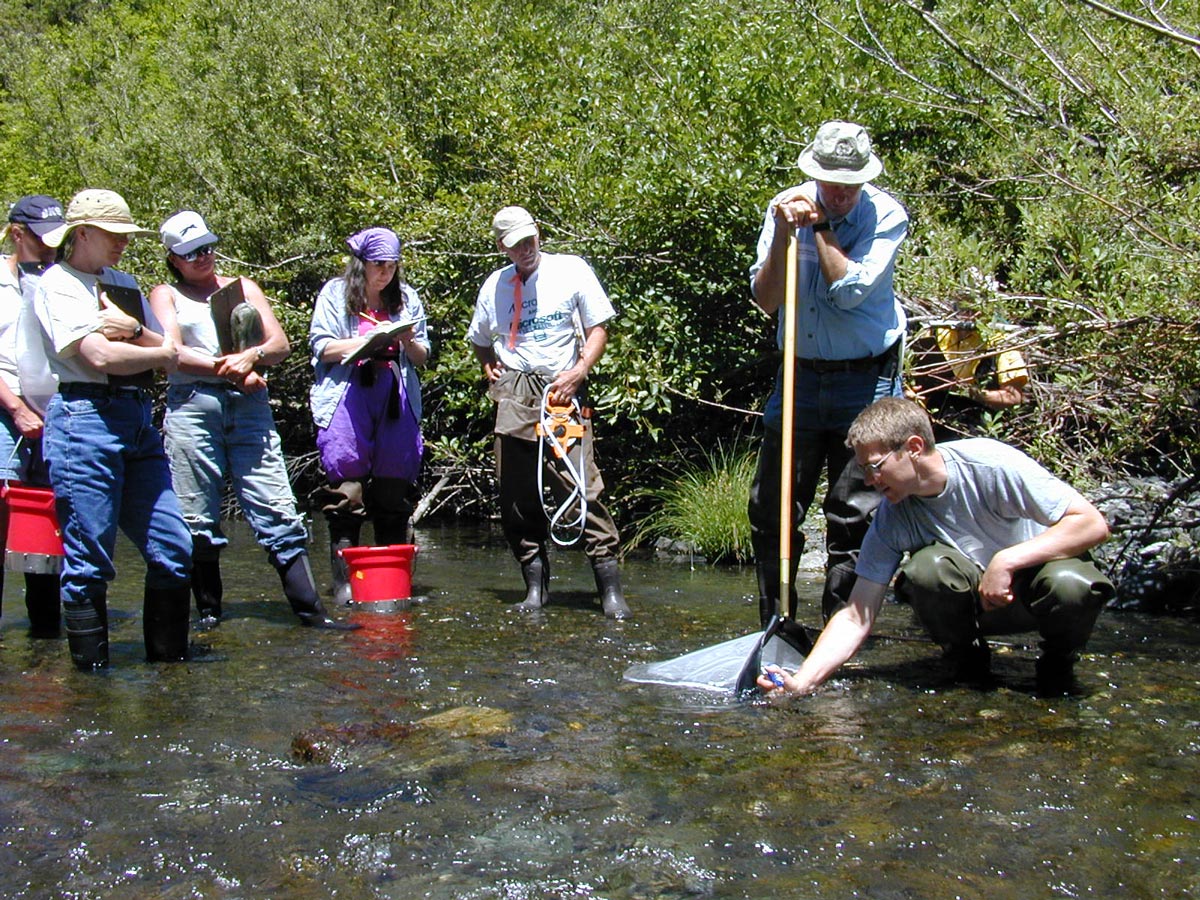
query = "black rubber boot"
{"x": 42, "y": 604}
{"x": 767, "y": 571}
{"x": 1056, "y": 675}
{"x": 839, "y": 581}
{"x": 208, "y": 590}
{"x": 608, "y": 583}
{"x": 971, "y": 663}
{"x": 390, "y": 506}
{"x": 344, "y": 532}
{"x": 344, "y": 511}
{"x": 166, "y": 614}
{"x": 536, "y": 573}
{"x": 391, "y": 528}
{"x": 300, "y": 588}
{"x": 340, "y": 571}
{"x": 87, "y": 634}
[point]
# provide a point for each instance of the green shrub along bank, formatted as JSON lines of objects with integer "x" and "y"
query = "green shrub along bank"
{"x": 703, "y": 505}
{"x": 1053, "y": 149}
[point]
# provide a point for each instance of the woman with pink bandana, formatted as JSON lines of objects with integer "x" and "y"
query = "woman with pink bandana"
{"x": 367, "y": 411}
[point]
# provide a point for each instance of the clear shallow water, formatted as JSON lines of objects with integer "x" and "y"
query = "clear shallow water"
{"x": 456, "y": 750}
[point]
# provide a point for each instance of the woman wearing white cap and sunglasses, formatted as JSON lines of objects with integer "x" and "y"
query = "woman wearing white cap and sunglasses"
{"x": 218, "y": 421}
{"x": 106, "y": 459}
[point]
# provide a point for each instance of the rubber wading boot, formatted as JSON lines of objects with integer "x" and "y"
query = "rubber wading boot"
{"x": 767, "y": 572}
{"x": 389, "y": 501}
{"x": 87, "y": 634}
{"x": 1055, "y": 673}
{"x": 971, "y": 663}
{"x": 300, "y": 588}
{"x": 340, "y": 571}
{"x": 608, "y": 583}
{"x": 166, "y": 613}
{"x": 42, "y": 604}
{"x": 208, "y": 591}
{"x": 536, "y": 573}
{"x": 392, "y": 528}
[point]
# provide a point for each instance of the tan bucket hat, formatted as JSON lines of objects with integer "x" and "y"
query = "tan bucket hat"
{"x": 95, "y": 206}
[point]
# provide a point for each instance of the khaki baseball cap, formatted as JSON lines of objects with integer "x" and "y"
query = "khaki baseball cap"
{"x": 512, "y": 225}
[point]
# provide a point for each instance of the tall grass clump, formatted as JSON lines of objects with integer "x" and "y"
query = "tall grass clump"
{"x": 704, "y": 505}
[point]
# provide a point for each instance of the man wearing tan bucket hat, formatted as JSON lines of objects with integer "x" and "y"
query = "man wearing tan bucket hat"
{"x": 106, "y": 459}
{"x": 848, "y": 330}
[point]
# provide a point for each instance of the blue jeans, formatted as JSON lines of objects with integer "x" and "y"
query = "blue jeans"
{"x": 212, "y": 431}
{"x": 826, "y": 404}
{"x": 108, "y": 469}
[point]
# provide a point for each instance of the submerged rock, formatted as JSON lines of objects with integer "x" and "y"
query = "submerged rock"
{"x": 468, "y": 721}
{"x": 329, "y": 744}
{"x": 323, "y": 745}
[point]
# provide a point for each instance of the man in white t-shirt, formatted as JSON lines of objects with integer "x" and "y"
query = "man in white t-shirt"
{"x": 525, "y": 334}
{"x": 997, "y": 545}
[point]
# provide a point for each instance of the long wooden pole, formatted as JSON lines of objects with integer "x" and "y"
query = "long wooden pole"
{"x": 789, "y": 415}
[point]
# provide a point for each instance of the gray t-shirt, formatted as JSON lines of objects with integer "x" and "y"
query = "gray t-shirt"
{"x": 995, "y": 497}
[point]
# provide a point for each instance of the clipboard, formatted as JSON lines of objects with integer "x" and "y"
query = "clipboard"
{"x": 127, "y": 299}
{"x": 220, "y": 304}
{"x": 379, "y": 338}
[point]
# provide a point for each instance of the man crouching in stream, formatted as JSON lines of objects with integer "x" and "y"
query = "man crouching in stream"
{"x": 998, "y": 545}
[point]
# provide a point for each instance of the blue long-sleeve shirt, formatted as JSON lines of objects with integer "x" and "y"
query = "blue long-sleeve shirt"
{"x": 858, "y": 315}
{"x": 331, "y": 322}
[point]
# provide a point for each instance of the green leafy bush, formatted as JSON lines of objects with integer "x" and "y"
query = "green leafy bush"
{"x": 704, "y": 505}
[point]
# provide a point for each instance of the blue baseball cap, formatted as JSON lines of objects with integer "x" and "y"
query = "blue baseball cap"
{"x": 37, "y": 212}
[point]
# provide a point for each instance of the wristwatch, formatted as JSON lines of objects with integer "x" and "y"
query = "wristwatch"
{"x": 137, "y": 332}
{"x": 261, "y": 354}
{"x": 821, "y": 226}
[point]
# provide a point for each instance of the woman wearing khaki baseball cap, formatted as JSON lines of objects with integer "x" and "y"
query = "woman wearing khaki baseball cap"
{"x": 107, "y": 465}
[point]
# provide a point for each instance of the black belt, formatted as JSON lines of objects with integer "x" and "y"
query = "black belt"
{"x": 861, "y": 364}
{"x": 92, "y": 389}
{"x": 209, "y": 385}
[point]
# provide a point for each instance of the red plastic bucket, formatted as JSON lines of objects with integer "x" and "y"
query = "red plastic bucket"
{"x": 380, "y": 573}
{"x": 34, "y": 538}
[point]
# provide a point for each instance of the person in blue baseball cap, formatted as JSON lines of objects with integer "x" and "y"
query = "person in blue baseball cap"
{"x": 21, "y": 418}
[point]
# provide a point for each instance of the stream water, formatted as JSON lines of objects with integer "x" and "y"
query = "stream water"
{"x": 457, "y": 750}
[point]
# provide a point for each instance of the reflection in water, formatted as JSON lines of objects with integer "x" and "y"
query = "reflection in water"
{"x": 455, "y": 750}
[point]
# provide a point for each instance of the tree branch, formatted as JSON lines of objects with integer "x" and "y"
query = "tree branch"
{"x": 1166, "y": 31}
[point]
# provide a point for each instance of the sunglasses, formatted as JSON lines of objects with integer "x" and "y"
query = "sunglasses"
{"x": 206, "y": 250}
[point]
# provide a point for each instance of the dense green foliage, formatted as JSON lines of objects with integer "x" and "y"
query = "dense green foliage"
{"x": 1052, "y": 147}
